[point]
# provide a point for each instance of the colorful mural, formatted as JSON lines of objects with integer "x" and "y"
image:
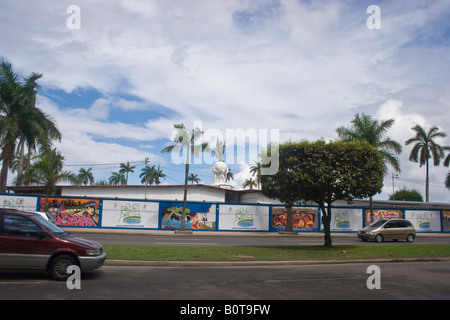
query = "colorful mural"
{"x": 303, "y": 218}
{"x": 75, "y": 212}
{"x": 446, "y": 221}
{"x": 199, "y": 216}
{"x": 380, "y": 214}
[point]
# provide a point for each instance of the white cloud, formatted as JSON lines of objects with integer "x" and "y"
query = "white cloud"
{"x": 302, "y": 67}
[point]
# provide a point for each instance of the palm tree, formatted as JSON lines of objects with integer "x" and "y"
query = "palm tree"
{"x": 249, "y": 183}
{"x": 125, "y": 169}
{"x": 47, "y": 171}
{"x": 364, "y": 128}
{"x": 256, "y": 170}
{"x": 426, "y": 148}
{"x": 147, "y": 175}
{"x": 230, "y": 175}
{"x": 186, "y": 141}
{"x": 447, "y": 163}
{"x": 85, "y": 176}
{"x": 193, "y": 178}
{"x": 20, "y": 121}
{"x": 158, "y": 174}
{"x": 117, "y": 178}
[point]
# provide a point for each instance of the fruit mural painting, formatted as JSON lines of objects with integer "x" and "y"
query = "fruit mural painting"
{"x": 304, "y": 218}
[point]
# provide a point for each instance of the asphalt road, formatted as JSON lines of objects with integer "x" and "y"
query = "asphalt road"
{"x": 197, "y": 285}
{"x": 218, "y": 240}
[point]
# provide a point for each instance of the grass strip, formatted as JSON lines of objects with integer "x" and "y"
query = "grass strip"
{"x": 285, "y": 253}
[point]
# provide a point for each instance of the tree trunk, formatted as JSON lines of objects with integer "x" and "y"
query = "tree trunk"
{"x": 7, "y": 154}
{"x": 427, "y": 188}
{"x": 326, "y": 221}
{"x": 183, "y": 213}
{"x": 371, "y": 209}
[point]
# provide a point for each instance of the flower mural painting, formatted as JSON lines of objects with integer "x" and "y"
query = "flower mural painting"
{"x": 74, "y": 212}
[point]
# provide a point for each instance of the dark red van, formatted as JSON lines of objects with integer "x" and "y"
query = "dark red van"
{"x": 28, "y": 241}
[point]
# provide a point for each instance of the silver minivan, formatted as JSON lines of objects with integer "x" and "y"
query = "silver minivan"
{"x": 388, "y": 229}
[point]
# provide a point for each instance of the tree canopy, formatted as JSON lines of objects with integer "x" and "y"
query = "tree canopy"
{"x": 325, "y": 172}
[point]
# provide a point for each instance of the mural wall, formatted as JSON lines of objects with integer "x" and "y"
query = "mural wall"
{"x": 199, "y": 216}
{"x": 166, "y": 215}
{"x": 244, "y": 217}
{"x": 303, "y": 218}
{"x": 346, "y": 219}
{"x": 130, "y": 214}
{"x": 19, "y": 202}
{"x": 73, "y": 212}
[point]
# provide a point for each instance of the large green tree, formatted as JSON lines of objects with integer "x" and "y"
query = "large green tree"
{"x": 425, "y": 148}
{"x": 324, "y": 173}
{"x": 21, "y": 122}
{"x": 187, "y": 143}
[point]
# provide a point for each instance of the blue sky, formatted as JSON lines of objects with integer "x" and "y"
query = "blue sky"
{"x": 118, "y": 84}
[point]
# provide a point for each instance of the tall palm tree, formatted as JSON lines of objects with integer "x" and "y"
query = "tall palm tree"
{"x": 256, "y": 170}
{"x": 147, "y": 175}
{"x": 158, "y": 174}
{"x": 85, "y": 176}
{"x": 47, "y": 170}
{"x": 250, "y": 183}
{"x": 186, "y": 141}
{"x": 447, "y": 163}
{"x": 193, "y": 178}
{"x": 117, "y": 178}
{"x": 20, "y": 121}
{"x": 230, "y": 175}
{"x": 125, "y": 169}
{"x": 426, "y": 148}
{"x": 364, "y": 128}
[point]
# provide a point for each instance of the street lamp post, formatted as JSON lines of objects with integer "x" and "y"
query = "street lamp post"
{"x": 394, "y": 176}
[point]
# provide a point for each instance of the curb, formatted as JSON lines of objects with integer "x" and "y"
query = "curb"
{"x": 138, "y": 263}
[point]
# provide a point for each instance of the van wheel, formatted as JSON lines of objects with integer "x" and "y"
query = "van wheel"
{"x": 410, "y": 238}
{"x": 379, "y": 238}
{"x": 59, "y": 265}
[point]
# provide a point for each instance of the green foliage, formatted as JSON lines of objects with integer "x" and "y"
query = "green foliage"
{"x": 406, "y": 195}
{"x": 325, "y": 172}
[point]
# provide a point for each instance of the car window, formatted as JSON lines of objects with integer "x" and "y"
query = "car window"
{"x": 402, "y": 224}
{"x": 20, "y": 227}
{"x": 391, "y": 224}
{"x": 377, "y": 223}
